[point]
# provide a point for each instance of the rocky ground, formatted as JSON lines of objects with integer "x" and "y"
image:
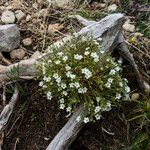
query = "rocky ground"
{"x": 40, "y": 23}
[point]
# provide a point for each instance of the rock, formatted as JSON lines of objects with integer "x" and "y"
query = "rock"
{"x": 128, "y": 27}
{"x": 112, "y": 8}
{"x": 27, "y": 41}
{"x": 9, "y": 37}
{"x": 17, "y": 54}
{"x": 64, "y": 4}
{"x": 135, "y": 96}
{"x": 8, "y": 17}
{"x": 36, "y": 55}
{"x": 19, "y": 14}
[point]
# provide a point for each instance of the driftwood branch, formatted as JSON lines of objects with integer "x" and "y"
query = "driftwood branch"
{"x": 69, "y": 132}
{"x": 7, "y": 111}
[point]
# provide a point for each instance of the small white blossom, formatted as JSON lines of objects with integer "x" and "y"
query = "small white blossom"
{"x": 108, "y": 85}
{"x": 55, "y": 75}
{"x": 86, "y": 120}
{"x": 87, "y": 73}
{"x": 86, "y": 53}
{"x": 67, "y": 67}
{"x": 41, "y": 83}
{"x": 102, "y": 52}
{"x": 60, "y": 53}
{"x": 99, "y": 39}
{"x": 71, "y": 85}
{"x": 68, "y": 109}
{"x": 61, "y": 100}
{"x": 57, "y": 62}
{"x": 64, "y": 93}
{"x": 97, "y": 116}
{"x": 49, "y": 61}
{"x": 49, "y": 95}
{"x": 65, "y": 58}
{"x": 97, "y": 109}
{"x": 62, "y": 106}
{"x": 78, "y": 57}
{"x": 76, "y": 84}
{"x": 98, "y": 99}
{"x": 78, "y": 118}
{"x": 58, "y": 80}
{"x": 120, "y": 61}
{"x": 120, "y": 84}
{"x": 72, "y": 76}
{"x": 127, "y": 89}
{"x": 118, "y": 96}
{"x": 84, "y": 38}
{"x": 87, "y": 48}
{"x": 63, "y": 85}
{"x": 107, "y": 107}
{"x": 117, "y": 68}
{"x": 82, "y": 90}
{"x": 47, "y": 79}
{"x": 125, "y": 80}
{"x": 110, "y": 80}
{"x": 112, "y": 72}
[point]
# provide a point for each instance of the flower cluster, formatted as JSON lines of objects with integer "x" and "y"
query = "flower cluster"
{"x": 82, "y": 74}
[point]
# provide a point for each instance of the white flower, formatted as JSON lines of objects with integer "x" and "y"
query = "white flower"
{"x": 97, "y": 116}
{"x": 61, "y": 100}
{"x": 62, "y": 106}
{"x": 125, "y": 80}
{"x": 68, "y": 109}
{"x": 78, "y": 57}
{"x": 94, "y": 55}
{"x": 86, "y": 53}
{"x": 120, "y": 61}
{"x": 108, "y": 85}
{"x": 118, "y": 96}
{"x": 67, "y": 67}
{"x": 76, "y": 84}
{"x": 102, "y": 52}
{"x": 96, "y": 59}
{"x": 57, "y": 62}
{"x": 58, "y": 80}
{"x": 107, "y": 107}
{"x": 108, "y": 60}
{"x": 55, "y": 75}
{"x": 82, "y": 90}
{"x": 72, "y": 76}
{"x": 87, "y": 48}
{"x": 127, "y": 89}
{"x": 49, "y": 61}
{"x": 86, "y": 120}
{"x": 65, "y": 58}
{"x": 98, "y": 99}
{"x": 49, "y": 95}
{"x": 110, "y": 80}
{"x": 84, "y": 38}
{"x": 47, "y": 79}
{"x": 71, "y": 85}
{"x": 97, "y": 109}
{"x": 68, "y": 74}
{"x": 63, "y": 85}
{"x": 99, "y": 39}
{"x": 78, "y": 118}
{"x": 65, "y": 93}
{"x": 117, "y": 68}
{"x": 112, "y": 72}
{"x": 60, "y": 53}
{"x": 41, "y": 83}
{"x": 120, "y": 84}
{"x": 87, "y": 73}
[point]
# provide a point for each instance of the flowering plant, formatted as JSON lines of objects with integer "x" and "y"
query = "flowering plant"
{"x": 82, "y": 74}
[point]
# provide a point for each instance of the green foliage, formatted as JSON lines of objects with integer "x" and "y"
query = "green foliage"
{"x": 82, "y": 74}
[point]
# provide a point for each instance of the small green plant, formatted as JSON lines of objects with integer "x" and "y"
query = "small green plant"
{"x": 82, "y": 74}
{"x": 140, "y": 117}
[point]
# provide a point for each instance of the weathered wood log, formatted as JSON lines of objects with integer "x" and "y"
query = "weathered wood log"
{"x": 69, "y": 132}
{"x": 7, "y": 111}
{"x": 108, "y": 29}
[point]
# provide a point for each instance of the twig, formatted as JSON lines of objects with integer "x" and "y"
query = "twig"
{"x": 4, "y": 59}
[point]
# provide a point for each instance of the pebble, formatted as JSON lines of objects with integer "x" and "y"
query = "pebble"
{"x": 112, "y": 8}
{"x": 19, "y": 14}
{"x": 36, "y": 55}
{"x": 64, "y": 4}
{"x": 8, "y": 17}
{"x": 28, "y": 17}
{"x": 17, "y": 54}
{"x": 128, "y": 27}
{"x": 27, "y": 41}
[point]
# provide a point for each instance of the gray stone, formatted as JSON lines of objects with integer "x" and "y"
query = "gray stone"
{"x": 19, "y": 14}
{"x": 17, "y": 54}
{"x": 9, "y": 37}
{"x": 8, "y": 17}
